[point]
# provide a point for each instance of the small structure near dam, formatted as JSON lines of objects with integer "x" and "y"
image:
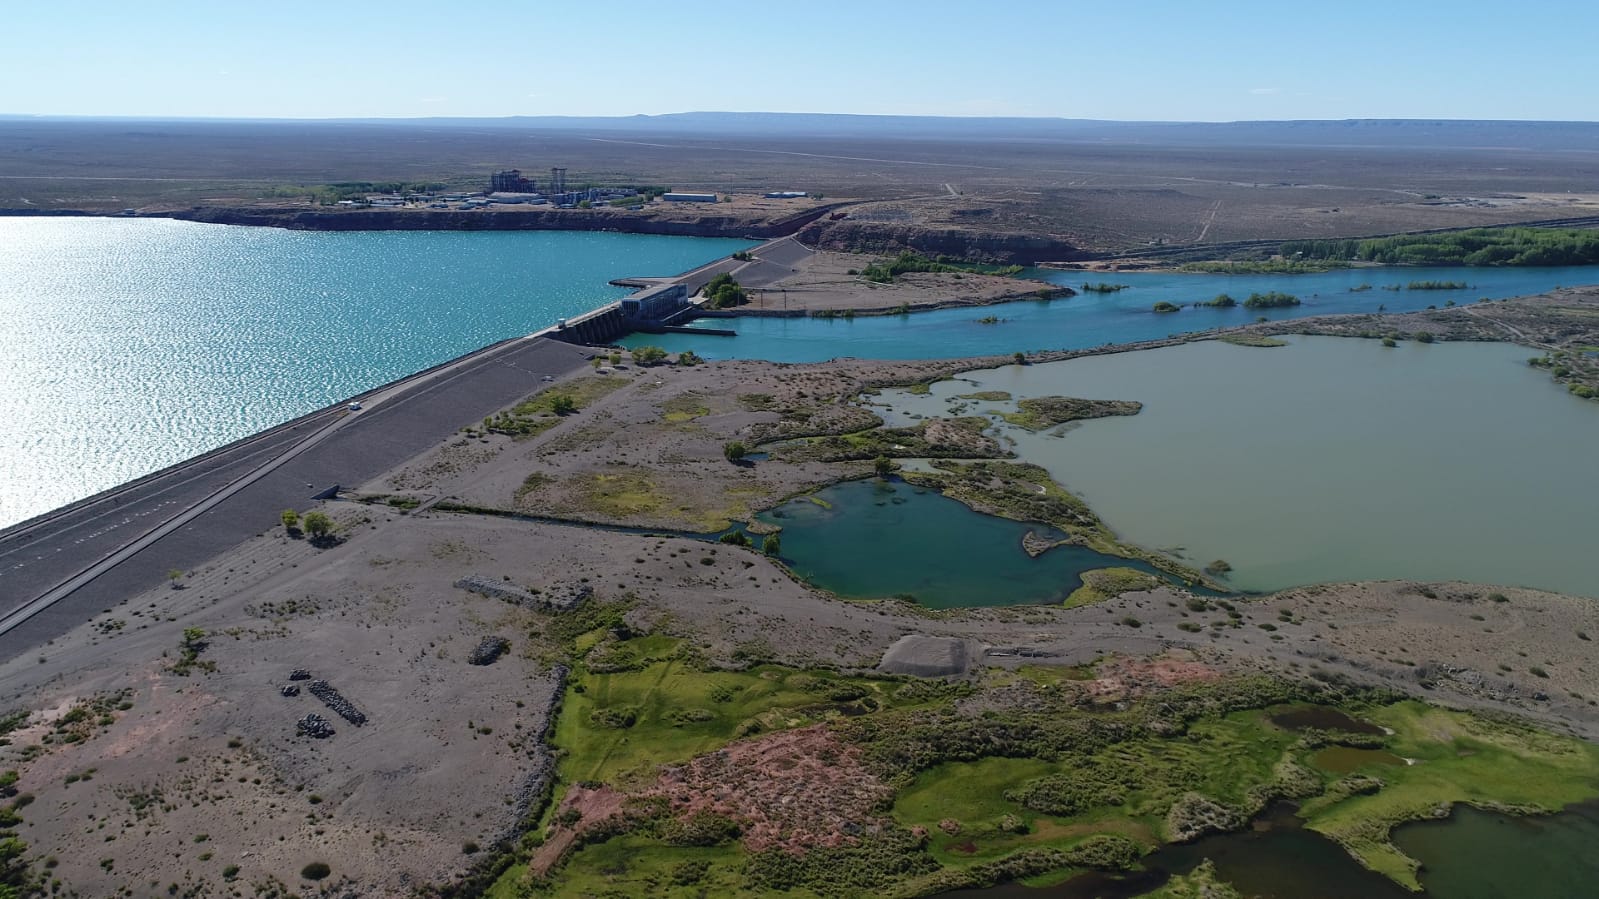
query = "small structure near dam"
{"x": 653, "y": 310}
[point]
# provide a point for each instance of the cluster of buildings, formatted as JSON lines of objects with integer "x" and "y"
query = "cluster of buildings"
{"x": 511, "y": 187}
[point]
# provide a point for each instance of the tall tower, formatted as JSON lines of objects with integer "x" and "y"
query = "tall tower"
{"x": 557, "y": 181}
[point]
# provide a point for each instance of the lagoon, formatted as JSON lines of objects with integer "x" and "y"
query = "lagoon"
{"x": 875, "y": 539}
{"x": 1327, "y": 460}
{"x": 130, "y": 344}
{"x": 1097, "y": 319}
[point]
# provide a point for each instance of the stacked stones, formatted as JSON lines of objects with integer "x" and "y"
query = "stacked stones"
{"x": 558, "y": 597}
{"x": 488, "y": 650}
{"x": 316, "y": 726}
{"x": 330, "y": 697}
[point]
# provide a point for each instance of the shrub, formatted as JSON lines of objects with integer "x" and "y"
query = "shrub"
{"x": 648, "y": 355}
{"x": 318, "y": 524}
{"x": 735, "y": 451}
{"x": 316, "y": 871}
{"x": 1164, "y": 307}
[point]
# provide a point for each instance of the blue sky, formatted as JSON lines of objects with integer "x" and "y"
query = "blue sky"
{"x": 1135, "y": 59}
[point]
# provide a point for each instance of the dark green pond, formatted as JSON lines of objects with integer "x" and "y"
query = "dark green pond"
{"x": 1475, "y": 854}
{"x": 1275, "y": 859}
{"x": 874, "y": 539}
{"x": 1472, "y": 854}
{"x": 1321, "y": 717}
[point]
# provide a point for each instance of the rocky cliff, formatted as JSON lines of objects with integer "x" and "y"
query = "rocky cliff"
{"x": 675, "y": 220}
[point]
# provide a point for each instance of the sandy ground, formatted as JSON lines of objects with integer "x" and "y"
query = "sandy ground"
{"x": 823, "y": 282}
{"x": 650, "y": 453}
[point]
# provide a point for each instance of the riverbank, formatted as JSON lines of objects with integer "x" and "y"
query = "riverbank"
{"x": 787, "y": 279}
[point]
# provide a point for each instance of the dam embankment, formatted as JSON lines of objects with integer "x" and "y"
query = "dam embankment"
{"x": 413, "y": 414}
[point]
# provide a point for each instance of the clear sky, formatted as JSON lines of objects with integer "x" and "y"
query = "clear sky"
{"x": 1136, "y": 59}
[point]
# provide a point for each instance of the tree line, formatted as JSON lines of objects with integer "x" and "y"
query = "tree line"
{"x": 1477, "y": 246}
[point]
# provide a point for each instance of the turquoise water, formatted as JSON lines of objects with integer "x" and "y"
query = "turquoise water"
{"x": 127, "y": 345}
{"x": 874, "y": 539}
{"x": 1093, "y": 319}
{"x": 1328, "y": 460}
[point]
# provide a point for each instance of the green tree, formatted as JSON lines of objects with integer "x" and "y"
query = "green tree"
{"x": 318, "y": 524}
{"x": 722, "y": 292}
{"x": 772, "y": 545}
{"x": 735, "y": 451}
{"x": 561, "y": 404}
{"x": 291, "y": 518}
{"x": 883, "y": 465}
{"x": 648, "y": 355}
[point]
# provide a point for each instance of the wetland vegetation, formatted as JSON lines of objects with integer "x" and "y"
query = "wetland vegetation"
{"x": 906, "y": 787}
{"x": 1511, "y": 247}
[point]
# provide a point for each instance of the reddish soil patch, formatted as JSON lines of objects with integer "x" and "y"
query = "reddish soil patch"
{"x": 966, "y": 848}
{"x": 790, "y": 790}
{"x": 595, "y": 806}
{"x": 1124, "y": 677}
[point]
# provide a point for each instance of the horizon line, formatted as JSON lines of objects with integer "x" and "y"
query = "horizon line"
{"x": 6, "y": 116}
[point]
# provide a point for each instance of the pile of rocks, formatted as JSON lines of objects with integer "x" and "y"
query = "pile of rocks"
{"x": 535, "y": 787}
{"x": 288, "y": 690}
{"x": 330, "y": 697}
{"x": 315, "y": 725}
{"x": 488, "y": 650}
{"x": 299, "y": 674}
{"x": 557, "y": 598}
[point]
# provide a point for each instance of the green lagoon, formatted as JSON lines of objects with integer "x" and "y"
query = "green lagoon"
{"x": 875, "y": 539}
{"x": 1327, "y": 460}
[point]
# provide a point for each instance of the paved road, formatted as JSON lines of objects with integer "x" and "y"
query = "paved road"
{"x": 179, "y": 518}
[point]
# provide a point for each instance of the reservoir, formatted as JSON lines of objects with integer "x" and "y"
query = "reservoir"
{"x": 1327, "y": 460}
{"x": 1096, "y": 319}
{"x": 127, "y": 345}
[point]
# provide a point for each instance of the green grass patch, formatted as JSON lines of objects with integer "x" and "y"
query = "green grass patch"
{"x": 1125, "y": 788}
{"x": 1107, "y": 583}
{"x": 1036, "y": 413}
{"x": 621, "y": 494}
{"x": 544, "y": 410}
{"x": 681, "y": 711}
{"x": 988, "y": 396}
{"x": 684, "y": 407}
{"x": 1459, "y": 758}
{"x": 640, "y": 866}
